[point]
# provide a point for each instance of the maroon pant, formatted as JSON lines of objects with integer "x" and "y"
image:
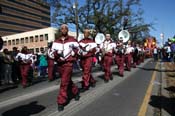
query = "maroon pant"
{"x": 120, "y": 63}
{"x": 142, "y": 58}
{"x": 128, "y": 61}
{"x": 86, "y": 64}
{"x": 107, "y": 62}
{"x": 66, "y": 83}
{"x": 50, "y": 68}
{"x": 24, "y": 68}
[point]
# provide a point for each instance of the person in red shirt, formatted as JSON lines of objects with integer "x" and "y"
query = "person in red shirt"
{"x": 87, "y": 52}
{"x": 119, "y": 51}
{"x": 65, "y": 50}
{"x": 107, "y": 48}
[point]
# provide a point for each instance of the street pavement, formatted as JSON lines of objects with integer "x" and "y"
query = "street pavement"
{"x": 120, "y": 97}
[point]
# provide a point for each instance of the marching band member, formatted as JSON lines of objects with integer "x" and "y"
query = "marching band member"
{"x": 142, "y": 55}
{"x": 107, "y": 48}
{"x": 87, "y": 52}
{"x": 119, "y": 50}
{"x": 65, "y": 49}
{"x": 135, "y": 55}
{"x": 139, "y": 54}
{"x": 25, "y": 59}
{"x": 128, "y": 55}
{"x": 50, "y": 57}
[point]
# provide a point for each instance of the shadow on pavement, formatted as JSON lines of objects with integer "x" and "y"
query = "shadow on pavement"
{"x": 25, "y": 110}
{"x": 162, "y": 102}
{"x": 170, "y": 89}
{"x": 7, "y": 87}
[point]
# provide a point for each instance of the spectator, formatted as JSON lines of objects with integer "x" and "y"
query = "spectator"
{"x": 7, "y": 62}
{"x": 155, "y": 53}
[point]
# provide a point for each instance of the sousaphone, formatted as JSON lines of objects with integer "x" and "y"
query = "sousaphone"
{"x": 124, "y": 35}
{"x": 100, "y": 38}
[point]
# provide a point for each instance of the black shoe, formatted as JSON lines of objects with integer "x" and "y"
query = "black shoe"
{"x": 106, "y": 81}
{"x": 60, "y": 108}
{"x": 111, "y": 78}
{"x": 84, "y": 89}
{"x": 77, "y": 97}
{"x": 93, "y": 85}
{"x": 50, "y": 80}
{"x": 121, "y": 75}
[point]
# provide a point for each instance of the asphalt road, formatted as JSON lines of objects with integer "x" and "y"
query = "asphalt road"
{"x": 124, "y": 99}
{"x": 120, "y": 97}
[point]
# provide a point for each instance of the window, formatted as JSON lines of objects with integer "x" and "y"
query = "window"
{"x": 31, "y": 39}
{"x": 37, "y": 50}
{"x": 31, "y": 50}
{"x": 36, "y": 38}
{"x": 9, "y": 42}
{"x": 46, "y": 37}
{"x": 5, "y": 43}
{"x": 46, "y": 48}
{"x": 26, "y": 40}
{"x": 41, "y": 37}
{"x": 13, "y": 42}
{"x": 22, "y": 40}
{"x": 17, "y": 41}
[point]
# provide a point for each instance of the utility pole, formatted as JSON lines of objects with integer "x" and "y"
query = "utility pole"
{"x": 75, "y": 5}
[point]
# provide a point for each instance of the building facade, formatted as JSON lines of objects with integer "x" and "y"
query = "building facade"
{"x": 18, "y": 16}
{"x": 34, "y": 40}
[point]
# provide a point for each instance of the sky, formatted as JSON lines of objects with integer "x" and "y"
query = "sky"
{"x": 162, "y": 13}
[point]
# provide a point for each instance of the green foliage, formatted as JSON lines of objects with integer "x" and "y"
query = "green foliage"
{"x": 104, "y": 16}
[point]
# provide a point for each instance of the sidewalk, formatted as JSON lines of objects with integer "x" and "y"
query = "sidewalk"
{"x": 163, "y": 94}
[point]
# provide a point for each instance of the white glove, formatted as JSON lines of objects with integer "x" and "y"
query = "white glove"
{"x": 80, "y": 51}
{"x": 87, "y": 48}
{"x": 84, "y": 53}
{"x": 73, "y": 53}
{"x": 116, "y": 50}
{"x": 59, "y": 52}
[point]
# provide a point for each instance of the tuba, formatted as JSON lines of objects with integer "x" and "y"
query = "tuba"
{"x": 100, "y": 38}
{"x": 124, "y": 35}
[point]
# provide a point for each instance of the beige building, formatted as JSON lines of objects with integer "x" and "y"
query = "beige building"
{"x": 17, "y": 16}
{"x": 34, "y": 40}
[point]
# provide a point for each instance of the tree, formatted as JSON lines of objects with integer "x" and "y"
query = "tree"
{"x": 105, "y": 16}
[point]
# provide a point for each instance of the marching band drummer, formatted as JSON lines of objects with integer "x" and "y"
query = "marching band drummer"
{"x": 119, "y": 51}
{"x": 65, "y": 50}
{"x": 128, "y": 55}
{"x": 25, "y": 59}
{"x": 87, "y": 52}
{"x": 107, "y": 49}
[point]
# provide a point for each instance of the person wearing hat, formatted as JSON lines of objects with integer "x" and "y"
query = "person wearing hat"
{"x": 65, "y": 50}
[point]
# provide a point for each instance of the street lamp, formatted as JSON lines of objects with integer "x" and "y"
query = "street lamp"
{"x": 162, "y": 38}
{"x": 76, "y": 16}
